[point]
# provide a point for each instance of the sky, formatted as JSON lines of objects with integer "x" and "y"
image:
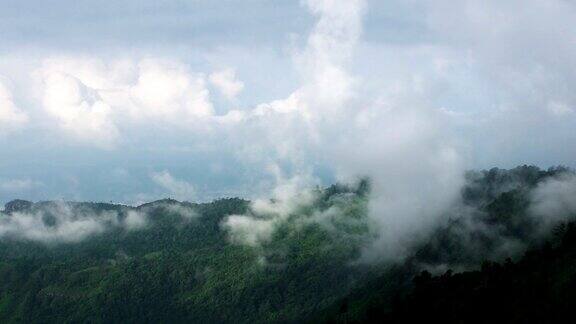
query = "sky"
{"x": 130, "y": 101}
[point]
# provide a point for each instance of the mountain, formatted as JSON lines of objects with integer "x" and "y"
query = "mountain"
{"x": 178, "y": 267}
{"x": 495, "y": 265}
{"x": 538, "y": 288}
{"x": 232, "y": 260}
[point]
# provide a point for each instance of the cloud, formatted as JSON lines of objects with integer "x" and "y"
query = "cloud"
{"x": 18, "y": 185}
{"x": 135, "y": 220}
{"x": 92, "y": 99}
{"x": 11, "y": 117}
{"x": 68, "y": 222}
{"x": 227, "y": 83}
{"x": 168, "y": 90}
{"x": 289, "y": 197}
{"x": 186, "y": 212}
{"x": 179, "y": 189}
{"x": 553, "y": 200}
{"x": 295, "y": 206}
{"x": 522, "y": 57}
{"x": 474, "y": 82}
{"x": 79, "y": 110}
{"x": 249, "y": 230}
{"x": 396, "y": 138}
{"x": 60, "y": 222}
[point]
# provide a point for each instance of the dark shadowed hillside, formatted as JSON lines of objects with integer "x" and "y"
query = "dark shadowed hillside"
{"x": 473, "y": 269}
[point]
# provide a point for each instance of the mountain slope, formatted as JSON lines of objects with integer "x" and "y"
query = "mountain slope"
{"x": 170, "y": 261}
{"x": 179, "y": 267}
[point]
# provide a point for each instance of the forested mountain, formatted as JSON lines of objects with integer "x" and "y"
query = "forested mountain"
{"x": 492, "y": 262}
{"x": 539, "y": 288}
{"x": 170, "y": 261}
{"x": 179, "y": 267}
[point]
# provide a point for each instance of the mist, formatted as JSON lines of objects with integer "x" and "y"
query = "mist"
{"x": 552, "y": 202}
{"x": 324, "y": 161}
{"x": 398, "y": 141}
{"x": 59, "y": 222}
{"x": 411, "y": 117}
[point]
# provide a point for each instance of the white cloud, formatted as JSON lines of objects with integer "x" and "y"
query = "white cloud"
{"x": 288, "y": 196}
{"x": 560, "y": 109}
{"x": 69, "y": 225}
{"x": 11, "y": 117}
{"x": 167, "y": 90}
{"x": 79, "y": 109}
{"x": 397, "y": 139}
{"x": 135, "y": 220}
{"x": 249, "y": 230}
{"x": 227, "y": 83}
{"x": 18, "y": 185}
{"x": 186, "y": 212}
{"x": 180, "y": 189}
{"x": 554, "y": 200}
{"x": 92, "y": 99}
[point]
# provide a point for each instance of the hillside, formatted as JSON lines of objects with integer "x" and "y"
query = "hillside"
{"x": 171, "y": 261}
{"x": 179, "y": 267}
{"x": 538, "y": 288}
{"x": 497, "y": 264}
